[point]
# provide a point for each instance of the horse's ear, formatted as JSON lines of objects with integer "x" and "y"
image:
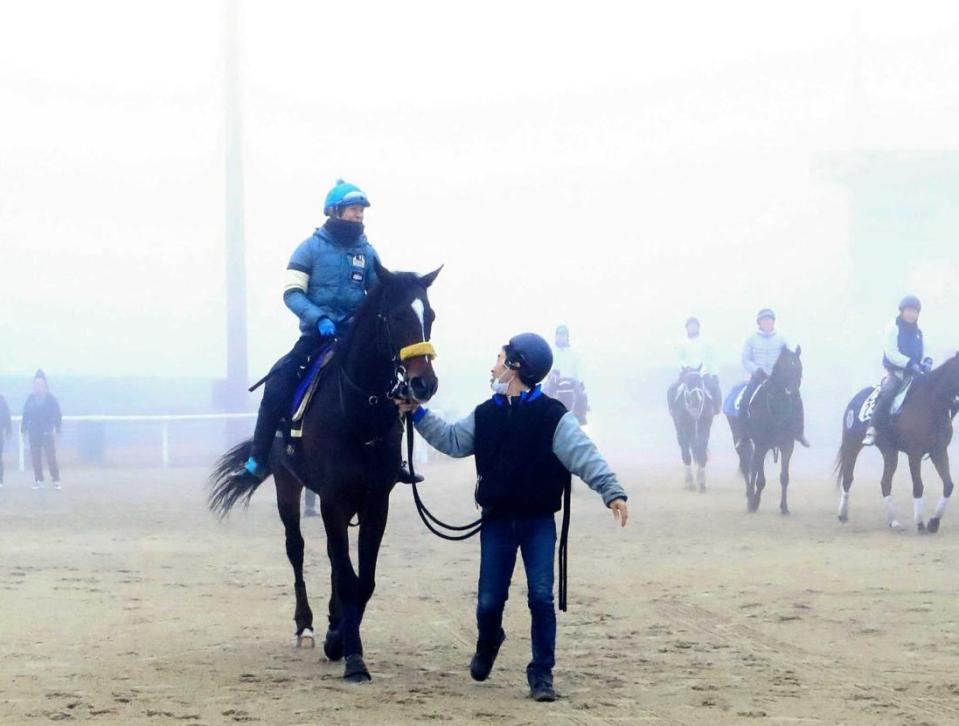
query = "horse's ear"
{"x": 429, "y": 278}
{"x": 381, "y": 272}
{"x": 798, "y": 350}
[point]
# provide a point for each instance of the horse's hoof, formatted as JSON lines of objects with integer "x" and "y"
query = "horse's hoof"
{"x": 933, "y": 525}
{"x": 921, "y": 528}
{"x": 306, "y": 639}
{"x": 843, "y": 518}
{"x": 355, "y": 670}
{"x": 702, "y": 488}
{"x": 895, "y": 524}
{"x": 784, "y": 511}
{"x": 333, "y": 645}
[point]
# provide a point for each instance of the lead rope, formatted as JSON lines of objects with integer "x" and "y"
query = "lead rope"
{"x": 473, "y": 528}
{"x": 466, "y": 531}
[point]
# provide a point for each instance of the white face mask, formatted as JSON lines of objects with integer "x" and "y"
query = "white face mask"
{"x": 499, "y": 386}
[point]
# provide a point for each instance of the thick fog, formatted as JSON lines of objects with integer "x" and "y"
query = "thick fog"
{"x": 614, "y": 168}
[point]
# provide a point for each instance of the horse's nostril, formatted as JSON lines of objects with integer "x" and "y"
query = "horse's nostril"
{"x": 422, "y": 389}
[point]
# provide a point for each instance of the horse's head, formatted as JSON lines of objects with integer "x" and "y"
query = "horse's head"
{"x": 788, "y": 370}
{"x": 406, "y": 320}
{"x": 694, "y": 391}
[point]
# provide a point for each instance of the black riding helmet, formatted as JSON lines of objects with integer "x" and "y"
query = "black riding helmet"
{"x": 530, "y": 356}
{"x": 910, "y": 301}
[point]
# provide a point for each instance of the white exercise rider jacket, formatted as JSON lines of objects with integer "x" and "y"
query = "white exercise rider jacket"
{"x": 696, "y": 352}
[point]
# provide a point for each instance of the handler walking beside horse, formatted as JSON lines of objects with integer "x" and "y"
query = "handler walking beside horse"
{"x": 526, "y": 447}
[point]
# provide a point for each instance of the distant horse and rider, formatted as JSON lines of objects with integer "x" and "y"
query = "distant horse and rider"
{"x": 910, "y": 412}
{"x": 693, "y": 401}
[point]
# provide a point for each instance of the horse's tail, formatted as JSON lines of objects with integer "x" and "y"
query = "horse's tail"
{"x": 225, "y": 491}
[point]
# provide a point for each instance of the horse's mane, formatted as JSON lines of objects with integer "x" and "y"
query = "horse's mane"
{"x": 942, "y": 372}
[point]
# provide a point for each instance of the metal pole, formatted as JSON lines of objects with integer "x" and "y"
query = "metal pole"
{"x": 236, "y": 397}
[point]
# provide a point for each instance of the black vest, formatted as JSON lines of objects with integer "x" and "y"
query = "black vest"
{"x": 517, "y": 471}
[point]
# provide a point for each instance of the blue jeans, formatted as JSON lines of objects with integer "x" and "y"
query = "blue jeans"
{"x": 535, "y": 537}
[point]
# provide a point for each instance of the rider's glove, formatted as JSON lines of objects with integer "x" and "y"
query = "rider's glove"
{"x": 917, "y": 369}
{"x": 926, "y": 365}
{"x": 325, "y": 327}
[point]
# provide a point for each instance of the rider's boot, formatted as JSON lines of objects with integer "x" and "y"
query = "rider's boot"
{"x": 257, "y": 468}
{"x": 404, "y": 476}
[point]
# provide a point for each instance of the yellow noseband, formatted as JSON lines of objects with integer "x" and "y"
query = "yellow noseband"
{"x": 417, "y": 349}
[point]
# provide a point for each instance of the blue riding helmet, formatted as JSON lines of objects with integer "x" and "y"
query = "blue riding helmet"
{"x": 530, "y": 355}
{"x": 343, "y": 195}
{"x": 562, "y": 330}
{"x": 765, "y": 313}
{"x": 910, "y": 301}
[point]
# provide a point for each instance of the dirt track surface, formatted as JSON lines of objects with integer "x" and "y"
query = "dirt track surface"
{"x": 123, "y": 601}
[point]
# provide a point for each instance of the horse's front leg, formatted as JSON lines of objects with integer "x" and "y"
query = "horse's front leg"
{"x": 702, "y": 449}
{"x": 757, "y": 472}
{"x": 288, "y": 503}
{"x": 915, "y": 471}
{"x": 371, "y": 535}
{"x": 683, "y": 439}
{"x": 336, "y": 521}
{"x": 940, "y": 459}
{"x": 786, "y": 451}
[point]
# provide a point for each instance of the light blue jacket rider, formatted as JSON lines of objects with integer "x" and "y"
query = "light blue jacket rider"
{"x": 327, "y": 279}
{"x": 761, "y": 351}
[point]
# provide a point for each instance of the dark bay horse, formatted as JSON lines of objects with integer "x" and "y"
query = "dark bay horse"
{"x": 773, "y": 423}
{"x": 692, "y": 411}
{"x": 922, "y": 428}
{"x": 350, "y": 453}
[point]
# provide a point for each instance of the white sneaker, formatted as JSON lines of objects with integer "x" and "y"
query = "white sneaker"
{"x": 870, "y": 438}
{"x": 36, "y": 485}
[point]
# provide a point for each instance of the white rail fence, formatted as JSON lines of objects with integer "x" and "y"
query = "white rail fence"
{"x": 162, "y": 423}
{"x": 161, "y": 438}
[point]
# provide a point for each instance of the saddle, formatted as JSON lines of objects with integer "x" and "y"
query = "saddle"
{"x": 868, "y": 406}
{"x": 306, "y": 388}
{"x": 734, "y": 403}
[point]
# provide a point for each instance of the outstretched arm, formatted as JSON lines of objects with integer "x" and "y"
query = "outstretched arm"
{"x": 577, "y": 452}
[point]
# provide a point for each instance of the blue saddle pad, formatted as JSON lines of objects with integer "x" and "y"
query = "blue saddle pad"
{"x": 312, "y": 372}
{"x": 734, "y": 399}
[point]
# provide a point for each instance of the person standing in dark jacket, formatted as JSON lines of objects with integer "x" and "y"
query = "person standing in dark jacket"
{"x": 526, "y": 446}
{"x": 41, "y": 420}
{"x": 5, "y": 431}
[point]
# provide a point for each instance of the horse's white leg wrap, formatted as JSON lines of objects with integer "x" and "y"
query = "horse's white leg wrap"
{"x": 940, "y": 507}
{"x": 890, "y": 512}
{"x": 843, "y": 504}
{"x": 917, "y": 509}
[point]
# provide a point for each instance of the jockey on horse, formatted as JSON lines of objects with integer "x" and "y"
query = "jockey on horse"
{"x": 904, "y": 355}
{"x": 760, "y": 354}
{"x": 328, "y": 277}
{"x": 568, "y": 369}
{"x": 696, "y": 354}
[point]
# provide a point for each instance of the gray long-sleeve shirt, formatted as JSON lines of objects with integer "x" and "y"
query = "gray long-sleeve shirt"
{"x": 575, "y": 450}
{"x": 762, "y": 350}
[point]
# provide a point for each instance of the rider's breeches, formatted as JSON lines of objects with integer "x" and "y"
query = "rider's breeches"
{"x": 278, "y": 395}
{"x": 887, "y": 393}
{"x": 40, "y": 445}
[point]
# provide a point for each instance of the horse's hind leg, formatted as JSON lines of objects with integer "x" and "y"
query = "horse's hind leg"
{"x": 288, "y": 491}
{"x": 915, "y": 470}
{"x": 786, "y": 452}
{"x": 940, "y": 459}
{"x": 848, "y": 453}
{"x": 890, "y": 462}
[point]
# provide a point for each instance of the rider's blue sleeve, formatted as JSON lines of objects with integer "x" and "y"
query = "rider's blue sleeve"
{"x": 577, "y": 452}
{"x": 455, "y": 440}
{"x": 297, "y": 284}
